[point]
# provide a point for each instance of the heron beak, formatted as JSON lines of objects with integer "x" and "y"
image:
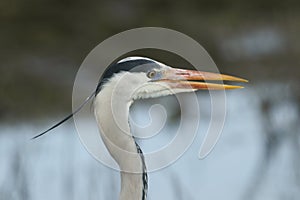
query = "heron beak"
{"x": 192, "y": 79}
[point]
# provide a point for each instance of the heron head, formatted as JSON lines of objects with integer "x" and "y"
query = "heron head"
{"x": 147, "y": 78}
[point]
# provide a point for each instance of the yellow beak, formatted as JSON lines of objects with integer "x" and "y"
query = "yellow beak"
{"x": 181, "y": 78}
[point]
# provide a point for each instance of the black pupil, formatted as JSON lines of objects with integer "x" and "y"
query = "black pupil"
{"x": 151, "y": 74}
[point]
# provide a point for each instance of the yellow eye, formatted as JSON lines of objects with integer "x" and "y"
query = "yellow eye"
{"x": 151, "y": 74}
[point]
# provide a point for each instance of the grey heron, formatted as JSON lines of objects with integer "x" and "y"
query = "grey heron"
{"x": 121, "y": 84}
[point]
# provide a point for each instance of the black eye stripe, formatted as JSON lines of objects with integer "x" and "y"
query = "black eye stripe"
{"x": 130, "y": 65}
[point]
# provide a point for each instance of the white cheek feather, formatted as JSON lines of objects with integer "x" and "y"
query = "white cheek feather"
{"x": 148, "y": 90}
{"x": 153, "y": 90}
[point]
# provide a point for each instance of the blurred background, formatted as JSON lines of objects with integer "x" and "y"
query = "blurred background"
{"x": 42, "y": 44}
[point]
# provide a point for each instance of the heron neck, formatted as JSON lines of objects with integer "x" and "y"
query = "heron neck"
{"x": 112, "y": 114}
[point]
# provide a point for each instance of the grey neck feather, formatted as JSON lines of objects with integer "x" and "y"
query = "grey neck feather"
{"x": 112, "y": 111}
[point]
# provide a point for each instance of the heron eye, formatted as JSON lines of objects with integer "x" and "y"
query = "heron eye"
{"x": 151, "y": 74}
